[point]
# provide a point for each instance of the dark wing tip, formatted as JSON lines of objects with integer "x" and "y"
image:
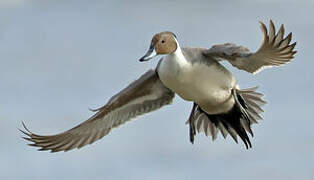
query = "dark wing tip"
{"x": 31, "y": 137}
{"x": 293, "y": 45}
{"x": 26, "y": 132}
{"x": 24, "y": 126}
{"x": 263, "y": 28}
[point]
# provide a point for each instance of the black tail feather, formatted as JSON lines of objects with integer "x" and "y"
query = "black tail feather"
{"x": 236, "y": 122}
{"x": 192, "y": 125}
{"x": 231, "y": 122}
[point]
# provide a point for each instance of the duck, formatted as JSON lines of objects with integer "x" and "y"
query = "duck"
{"x": 195, "y": 74}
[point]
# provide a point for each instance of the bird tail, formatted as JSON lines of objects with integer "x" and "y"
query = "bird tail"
{"x": 237, "y": 122}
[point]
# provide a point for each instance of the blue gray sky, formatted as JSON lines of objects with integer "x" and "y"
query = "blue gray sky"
{"x": 59, "y": 58}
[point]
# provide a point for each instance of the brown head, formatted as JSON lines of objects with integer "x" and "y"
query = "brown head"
{"x": 162, "y": 43}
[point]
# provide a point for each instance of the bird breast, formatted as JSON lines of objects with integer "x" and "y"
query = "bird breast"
{"x": 207, "y": 84}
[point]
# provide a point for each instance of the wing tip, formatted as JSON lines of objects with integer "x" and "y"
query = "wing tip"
{"x": 263, "y": 27}
{"x": 272, "y": 25}
{"x": 271, "y": 21}
{"x": 24, "y": 126}
{"x": 31, "y": 137}
{"x": 277, "y": 44}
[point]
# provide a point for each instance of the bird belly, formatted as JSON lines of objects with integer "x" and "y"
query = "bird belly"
{"x": 208, "y": 86}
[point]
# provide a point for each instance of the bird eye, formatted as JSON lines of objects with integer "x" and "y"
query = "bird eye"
{"x": 163, "y": 41}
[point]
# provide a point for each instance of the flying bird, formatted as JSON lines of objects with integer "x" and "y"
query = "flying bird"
{"x": 196, "y": 75}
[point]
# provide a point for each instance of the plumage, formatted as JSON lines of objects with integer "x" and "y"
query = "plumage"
{"x": 196, "y": 75}
{"x": 143, "y": 95}
{"x": 237, "y": 121}
{"x": 274, "y": 51}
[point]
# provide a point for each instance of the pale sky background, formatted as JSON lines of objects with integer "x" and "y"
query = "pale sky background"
{"x": 59, "y": 58}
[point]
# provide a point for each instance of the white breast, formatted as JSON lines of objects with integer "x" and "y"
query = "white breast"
{"x": 207, "y": 85}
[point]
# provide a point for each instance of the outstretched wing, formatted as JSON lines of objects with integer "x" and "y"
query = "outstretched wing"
{"x": 275, "y": 50}
{"x": 142, "y": 96}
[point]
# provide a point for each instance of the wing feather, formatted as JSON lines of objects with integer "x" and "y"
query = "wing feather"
{"x": 142, "y": 96}
{"x": 275, "y": 50}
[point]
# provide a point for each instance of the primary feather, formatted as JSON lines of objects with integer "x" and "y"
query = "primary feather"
{"x": 275, "y": 50}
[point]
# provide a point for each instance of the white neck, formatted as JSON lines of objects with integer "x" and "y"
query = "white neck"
{"x": 178, "y": 55}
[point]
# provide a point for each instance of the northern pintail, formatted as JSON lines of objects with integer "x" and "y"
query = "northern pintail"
{"x": 196, "y": 75}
